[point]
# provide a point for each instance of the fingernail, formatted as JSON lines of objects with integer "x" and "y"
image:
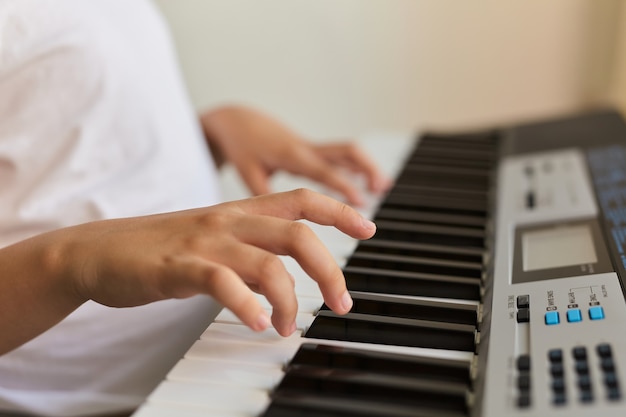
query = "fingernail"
{"x": 346, "y": 301}
{"x": 368, "y": 224}
{"x": 293, "y": 328}
{"x": 262, "y": 322}
{"x": 385, "y": 184}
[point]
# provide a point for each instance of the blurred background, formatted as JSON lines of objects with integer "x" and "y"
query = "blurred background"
{"x": 335, "y": 68}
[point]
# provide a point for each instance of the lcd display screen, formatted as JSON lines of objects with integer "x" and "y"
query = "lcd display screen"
{"x": 558, "y": 247}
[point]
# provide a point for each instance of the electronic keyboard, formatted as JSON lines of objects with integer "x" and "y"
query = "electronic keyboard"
{"x": 493, "y": 287}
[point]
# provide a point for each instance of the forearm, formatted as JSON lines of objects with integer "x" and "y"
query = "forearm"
{"x": 35, "y": 293}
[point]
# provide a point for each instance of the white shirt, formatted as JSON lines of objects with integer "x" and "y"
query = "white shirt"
{"x": 95, "y": 123}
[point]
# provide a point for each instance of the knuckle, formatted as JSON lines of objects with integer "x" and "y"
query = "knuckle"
{"x": 270, "y": 266}
{"x": 344, "y": 210}
{"x": 303, "y": 195}
{"x": 300, "y": 237}
{"x": 299, "y": 232}
{"x": 213, "y": 220}
{"x": 352, "y": 147}
{"x": 217, "y": 277}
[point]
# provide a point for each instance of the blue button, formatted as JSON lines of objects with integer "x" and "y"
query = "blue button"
{"x": 552, "y": 317}
{"x": 574, "y": 315}
{"x": 596, "y": 313}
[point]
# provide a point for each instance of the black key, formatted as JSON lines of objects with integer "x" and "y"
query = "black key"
{"x": 423, "y": 250}
{"x": 443, "y": 181}
{"x": 412, "y": 194}
{"x": 403, "y": 204}
{"x": 437, "y": 205}
{"x": 424, "y": 368}
{"x": 415, "y": 264}
{"x": 419, "y": 216}
{"x": 290, "y": 404}
{"x": 383, "y": 305}
{"x": 425, "y": 189}
{"x": 374, "y": 389}
{"x": 368, "y": 328}
{"x": 442, "y": 235}
{"x": 411, "y": 283}
{"x": 446, "y": 161}
{"x": 431, "y": 169}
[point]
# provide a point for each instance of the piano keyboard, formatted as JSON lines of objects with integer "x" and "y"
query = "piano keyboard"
{"x": 421, "y": 340}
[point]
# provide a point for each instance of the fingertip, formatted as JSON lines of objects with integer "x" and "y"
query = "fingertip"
{"x": 369, "y": 226}
{"x": 285, "y": 329}
{"x": 262, "y": 322}
{"x": 346, "y": 302}
{"x": 381, "y": 184}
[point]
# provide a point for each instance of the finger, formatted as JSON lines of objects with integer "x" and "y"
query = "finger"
{"x": 297, "y": 240}
{"x": 326, "y": 174}
{"x": 265, "y": 272}
{"x": 188, "y": 275}
{"x": 353, "y": 157}
{"x": 306, "y": 204}
{"x": 255, "y": 177}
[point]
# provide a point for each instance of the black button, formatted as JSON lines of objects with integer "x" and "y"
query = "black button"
{"x": 555, "y": 355}
{"x": 582, "y": 368}
{"x": 586, "y": 396}
{"x": 530, "y": 199}
{"x": 558, "y": 385}
{"x": 556, "y": 369}
{"x": 559, "y": 398}
{"x": 523, "y": 315}
{"x": 523, "y": 363}
{"x": 584, "y": 382}
{"x": 523, "y": 400}
{"x": 580, "y": 353}
{"x": 604, "y": 350}
{"x": 607, "y": 364}
{"x": 523, "y": 301}
{"x": 614, "y": 394}
{"x": 523, "y": 382}
{"x": 610, "y": 379}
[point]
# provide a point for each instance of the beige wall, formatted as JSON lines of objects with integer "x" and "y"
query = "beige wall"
{"x": 344, "y": 67}
{"x": 618, "y": 84}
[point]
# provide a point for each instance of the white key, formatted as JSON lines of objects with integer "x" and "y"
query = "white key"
{"x": 303, "y": 320}
{"x": 241, "y": 333}
{"x": 261, "y": 353}
{"x": 210, "y": 397}
{"x": 261, "y": 376}
{"x": 167, "y": 410}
